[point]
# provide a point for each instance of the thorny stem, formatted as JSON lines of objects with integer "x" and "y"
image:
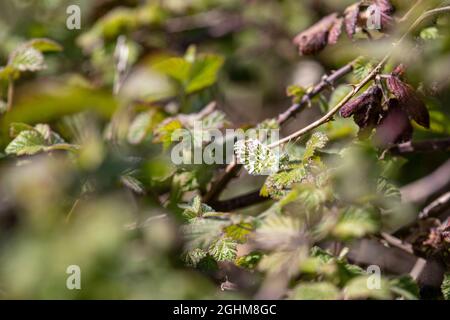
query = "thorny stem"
{"x": 327, "y": 117}
{"x": 233, "y": 168}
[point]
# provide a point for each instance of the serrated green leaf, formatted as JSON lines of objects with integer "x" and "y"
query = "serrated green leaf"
{"x": 31, "y": 140}
{"x": 405, "y": 287}
{"x": 204, "y": 73}
{"x": 250, "y": 260}
{"x": 278, "y": 185}
{"x": 239, "y": 232}
{"x": 317, "y": 141}
{"x": 163, "y": 133}
{"x": 256, "y": 157}
{"x": 356, "y": 223}
{"x": 296, "y": 93}
{"x": 17, "y": 127}
{"x": 315, "y": 291}
{"x": 284, "y": 261}
{"x": 280, "y": 233}
{"x": 28, "y": 142}
{"x": 201, "y": 232}
{"x": 429, "y": 33}
{"x": 358, "y": 288}
{"x": 142, "y": 125}
{"x": 194, "y": 256}
{"x": 362, "y": 67}
{"x": 223, "y": 249}
{"x": 192, "y": 75}
{"x": 195, "y": 208}
{"x": 26, "y": 58}
{"x": 445, "y": 287}
{"x": 176, "y": 68}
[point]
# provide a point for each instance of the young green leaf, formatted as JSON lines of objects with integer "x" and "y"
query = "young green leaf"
{"x": 26, "y": 58}
{"x": 315, "y": 291}
{"x": 256, "y": 157}
{"x": 223, "y": 249}
{"x": 445, "y": 287}
{"x": 317, "y": 141}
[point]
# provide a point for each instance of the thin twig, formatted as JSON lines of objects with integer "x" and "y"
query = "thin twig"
{"x": 436, "y": 207}
{"x": 422, "y": 189}
{"x": 395, "y": 242}
{"x": 233, "y": 168}
{"x": 421, "y": 146}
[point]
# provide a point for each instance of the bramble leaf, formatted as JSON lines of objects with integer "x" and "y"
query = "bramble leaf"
{"x": 315, "y": 291}
{"x": 256, "y": 157}
{"x": 223, "y": 249}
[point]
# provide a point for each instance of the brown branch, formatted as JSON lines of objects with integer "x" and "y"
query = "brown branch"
{"x": 407, "y": 191}
{"x": 422, "y": 189}
{"x": 421, "y": 146}
{"x": 322, "y": 85}
{"x": 233, "y": 168}
{"x": 436, "y": 207}
{"x": 241, "y": 201}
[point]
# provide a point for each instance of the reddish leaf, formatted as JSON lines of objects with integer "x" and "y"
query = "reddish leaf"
{"x": 315, "y": 38}
{"x": 335, "y": 31}
{"x": 351, "y": 18}
{"x": 409, "y": 101}
{"x": 386, "y": 10}
{"x": 385, "y": 6}
{"x": 394, "y": 127}
{"x": 372, "y": 97}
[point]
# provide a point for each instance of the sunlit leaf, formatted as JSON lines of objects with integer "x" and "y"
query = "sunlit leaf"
{"x": 315, "y": 291}
{"x": 223, "y": 249}
{"x": 26, "y": 58}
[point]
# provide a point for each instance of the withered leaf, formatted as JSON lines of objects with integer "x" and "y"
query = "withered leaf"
{"x": 394, "y": 127}
{"x": 385, "y": 6}
{"x": 372, "y": 97}
{"x": 351, "y": 18}
{"x": 409, "y": 100}
{"x": 366, "y": 110}
{"x": 335, "y": 31}
{"x": 386, "y": 12}
{"x": 315, "y": 38}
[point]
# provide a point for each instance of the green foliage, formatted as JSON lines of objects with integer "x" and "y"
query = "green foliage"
{"x": 317, "y": 141}
{"x": 446, "y": 287}
{"x": 358, "y": 288}
{"x": 430, "y": 33}
{"x": 87, "y": 174}
{"x": 28, "y": 57}
{"x": 362, "y": 67}
{"x": 256, "y": 157}
{"x": 223, "y": 249}
{"x": 296, "y": 93}
{"x": 315, "y": 291}
{"x": 193, "y": 74}
{"x": 28, "y": 140}
{"x": 356, "y": 223}
{"x": 405, "y": 287}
